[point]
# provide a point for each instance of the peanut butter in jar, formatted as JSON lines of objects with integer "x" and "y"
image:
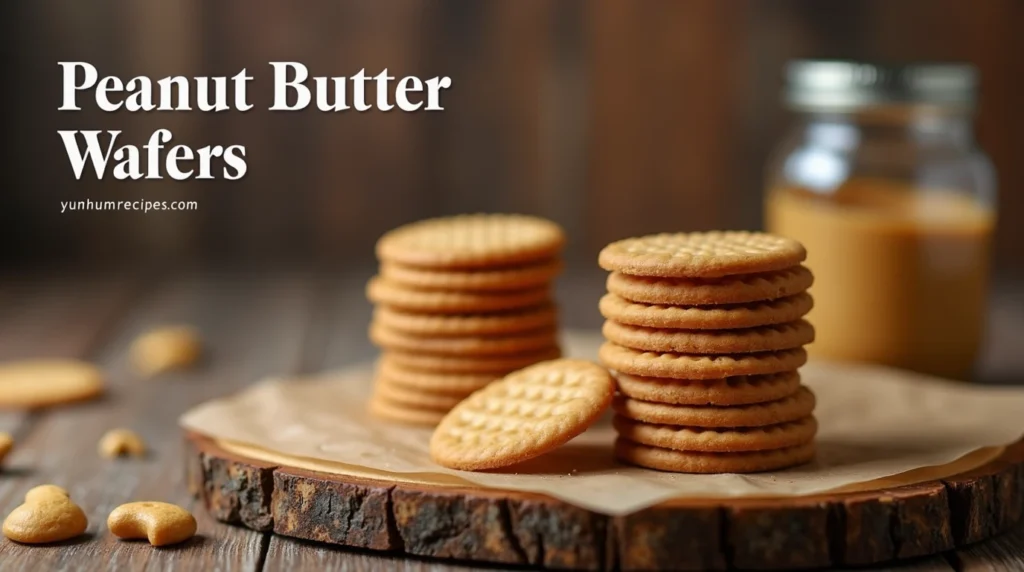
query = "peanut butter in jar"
{"x": 895, "y": 206}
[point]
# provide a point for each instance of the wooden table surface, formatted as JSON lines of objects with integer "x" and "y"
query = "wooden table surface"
{"x": 255, "y": 325}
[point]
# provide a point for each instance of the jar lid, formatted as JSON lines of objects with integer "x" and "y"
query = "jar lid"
{"x": 823, "y": 85}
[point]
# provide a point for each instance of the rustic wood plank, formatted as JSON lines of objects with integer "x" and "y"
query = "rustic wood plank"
{"x": 1003, "y": 553}
{"x": 253, "y": 326}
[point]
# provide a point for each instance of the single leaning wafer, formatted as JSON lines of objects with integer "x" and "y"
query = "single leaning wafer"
{"x": 434, "y": 382}
{"x": 31, "y": 384}
{"x": 739, "y": 289}
{"x": 469, "y": 364}
{"x": 687, "y": 366}
{"x": 696, "y": 462}
{"x": 747, "y": 340}
{"x": 515, "y": 322}
{"x": 381, "y": 291}
{"x": 526, "y": 414}
{"x": 702, "y": 254}
{"x": 790, "y": 408}
{"x": 717, "y": 440}
{"x": 472, "y": 241}
{"x": 738, "y": 390}
{"x": 721, "y": 317}
{"x": 483, "y": 280}
{"x": 463, "y": 345}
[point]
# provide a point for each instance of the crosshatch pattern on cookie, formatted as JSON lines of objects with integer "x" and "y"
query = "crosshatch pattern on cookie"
{"x": 717, "y": 440}
{"x": 702, "y": 254}
{"x": 472, "y": 241}
{"x": 380, "y": 291}
{"x": 739, "y": 390}
{"x": 483, "y": 280}
{"x": 526, "y": 414}
{"x": 721, "y": 317}
{"x": 748, "y": 340}
{"x": 740, "y": 289}
{"x": 697, "y": 462}
{"x": 464, "y": 345}
{"x": 789, "y": 408}
{"x": 687, "y": 366}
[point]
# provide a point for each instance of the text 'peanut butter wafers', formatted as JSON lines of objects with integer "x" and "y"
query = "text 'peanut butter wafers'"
{"x": 523, "y": 415}
{"x": 702, "y": 254}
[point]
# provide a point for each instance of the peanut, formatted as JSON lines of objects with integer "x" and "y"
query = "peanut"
{"x": 48, "y": 515}
{"x": 121, "y": 443}
{"x": 166, "y": 348}
{"x": 159, "y": 522}
{"x": 6, "y": 444}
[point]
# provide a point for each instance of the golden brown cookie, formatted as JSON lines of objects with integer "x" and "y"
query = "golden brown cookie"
{"x": 484, "y": 280}
{"x": 721, "y": 317}
{"x": 459, "y": 384}
{"x": 166, "y": 348}
{"x": 717, "y": 440}
{"x": 739, "y": 289}
{"x": 790, "y": 408}
{"x": 465, "y": 364}
{"x": 415, "y": 398}
{"x": 31, "y": 384}
{"x": 524, "y": 415}
{"x": 686, "y": 366}
{"x": 474, "y": 346}
{"x": 739, "y": 390}
{"x": 542, "y": 317}
{"x": 472, "y": 241}
{"x": 747, "y": 340}
{"x": 381, "y": 291}
{"x": 391, "y": 411}
{"x": 702, "y": 254}
{"x": 695, "y": 462}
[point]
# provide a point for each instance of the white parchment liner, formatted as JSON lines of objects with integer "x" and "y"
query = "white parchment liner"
{"x": 878, "y": 427}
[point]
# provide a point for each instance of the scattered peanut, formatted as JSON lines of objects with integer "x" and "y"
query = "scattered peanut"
{"x": 121, "y": 443}
{"x": 159, "y": 522}
{"x": 6, "y": 444}
{"x": 48, "y": 515}
{"x": 166, "y": 348}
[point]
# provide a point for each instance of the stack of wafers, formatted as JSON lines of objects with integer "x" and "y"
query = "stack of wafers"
{"x": 705, "y": 334}
{"x": 461, "y": 301}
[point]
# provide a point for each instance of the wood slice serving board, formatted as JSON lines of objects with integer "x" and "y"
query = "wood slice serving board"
{"x": 487, "y": 525}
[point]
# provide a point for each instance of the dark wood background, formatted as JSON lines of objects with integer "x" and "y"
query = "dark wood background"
{"x": 614, "y": 118}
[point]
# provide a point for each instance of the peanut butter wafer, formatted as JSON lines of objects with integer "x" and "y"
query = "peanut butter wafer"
{"x": 542, "y": 317}
{"x": 717, "y": 440}
{"x": 747, "y": 340}
{"x": 381, "y": 291}
{"x": 738, "y": 390}
{"x": 689, "y": 366}
{"x": 469, "y": 364}
{"x": 789, "y": 408}
{"x": 479, "y": 280}
{"x": 697, "y": 462}
{"x": 720, "y": 317}
{"x": 739, "y": 289}
{"x": 391, "y": 339}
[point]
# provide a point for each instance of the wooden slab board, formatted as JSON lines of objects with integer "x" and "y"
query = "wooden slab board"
{"x": 484, "y": 525}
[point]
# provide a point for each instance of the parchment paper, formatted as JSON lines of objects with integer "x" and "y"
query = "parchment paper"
{"x": 878, "y": 427}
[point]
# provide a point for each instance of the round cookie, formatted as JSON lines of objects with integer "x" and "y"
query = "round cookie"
{"x": 380, "y": 291}
{"x": 542, "y": 317}
{"x": 484, "y": 280}
{"x": 524, "y": 415}
{"x": 685, "y": 366}
{"x": 738, "y": 289}
{"x": 32, "y": 384}
{"x": 392, "y": 392}
{"x": 790, "y": 408}
{"x": 472, "y": 241}
{"x": 748, "y": 340}
{"x": 694, "y": 462}
{"x": 388, "y": 410}
{"x": 739, "y": 390}
{"x": 702, "y": 254}
{"x": 466, "y": 364}
{"x": 717, "y": 440}
{"x": 721, "y": 317}
{"x": 390, "y": 339}
{"x": 426, "y": 381}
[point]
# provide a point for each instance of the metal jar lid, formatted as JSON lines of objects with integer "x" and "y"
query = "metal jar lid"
{"x": 823, "y": 85}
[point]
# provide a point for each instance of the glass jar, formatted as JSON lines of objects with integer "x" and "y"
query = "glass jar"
{"x": 880, "y": 178}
